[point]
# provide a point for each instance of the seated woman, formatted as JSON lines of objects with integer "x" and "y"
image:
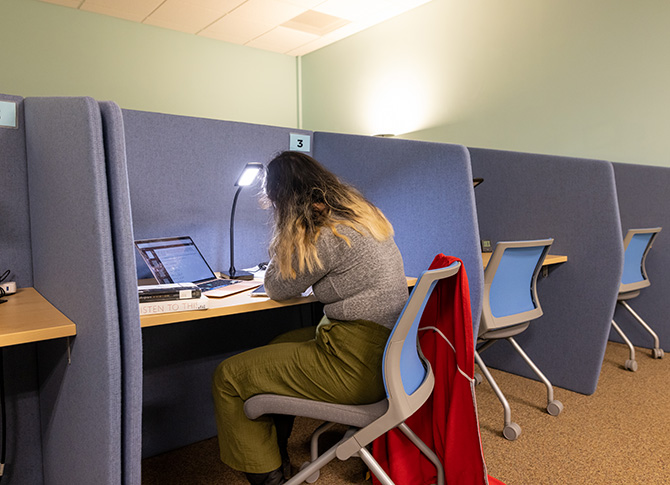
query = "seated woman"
{"x": 327, "y": 236}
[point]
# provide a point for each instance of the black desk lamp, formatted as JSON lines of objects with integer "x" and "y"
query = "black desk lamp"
{"x": 247, "y": 177}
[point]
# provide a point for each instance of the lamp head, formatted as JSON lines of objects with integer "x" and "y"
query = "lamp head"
{"x": 249, "y": 174}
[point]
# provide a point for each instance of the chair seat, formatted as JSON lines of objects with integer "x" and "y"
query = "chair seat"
{"x": 505, "y": 332}
{"x": 347, "y": 414}
{"x": 627, "y": 295}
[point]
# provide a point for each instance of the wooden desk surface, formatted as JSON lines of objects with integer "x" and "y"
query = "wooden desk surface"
{"x": 230, "y": 305}
{"x": 28, "y": 317}
{"x": 244, "y": 302}
{"x": 549, "y": 260}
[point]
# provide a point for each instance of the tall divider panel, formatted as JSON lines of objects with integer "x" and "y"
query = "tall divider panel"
{"x": 643, "y": 202}
{"x": 73, "y": 267}
{"x": 24, "y": 446}
{"x": 15, "y": 232}
{"x": 424, "y": 189}
{"x": 574, "y": 201}
{"x": 126, "y": 288}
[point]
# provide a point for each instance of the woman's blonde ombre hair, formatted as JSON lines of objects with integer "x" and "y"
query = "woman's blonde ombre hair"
{"x": 306, "y": 197}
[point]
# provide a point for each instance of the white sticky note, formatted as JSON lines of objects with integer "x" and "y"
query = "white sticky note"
{"x": 8, "y": 114}
{"x": 300, "y": 142}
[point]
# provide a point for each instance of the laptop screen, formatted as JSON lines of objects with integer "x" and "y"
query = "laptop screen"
{"x": 174, "y": 260}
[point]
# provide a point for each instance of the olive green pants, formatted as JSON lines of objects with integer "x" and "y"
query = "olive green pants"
{"x": 336, "y": 362}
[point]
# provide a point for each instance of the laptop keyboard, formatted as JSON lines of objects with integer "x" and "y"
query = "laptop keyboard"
{"x": 210, "y": 285}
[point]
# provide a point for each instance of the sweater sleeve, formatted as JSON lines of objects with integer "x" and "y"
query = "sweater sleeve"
{"x": 279, "y": 288}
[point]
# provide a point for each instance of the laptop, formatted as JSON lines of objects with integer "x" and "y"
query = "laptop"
{"x": 178, "y": 260}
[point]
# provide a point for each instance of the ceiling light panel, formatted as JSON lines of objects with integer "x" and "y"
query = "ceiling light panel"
{"x": 282, "y": 40}
{"x": 325, "y": 40}
{"x": 316, "y": 23}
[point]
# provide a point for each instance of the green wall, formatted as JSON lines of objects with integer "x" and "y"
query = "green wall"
{"x": 587, "y": 78}
{"x": 49, "y": 50}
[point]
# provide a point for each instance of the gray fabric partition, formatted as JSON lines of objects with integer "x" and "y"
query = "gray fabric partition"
{"x": 126, "y": 288}
{"x": 181, "y": 173}
{"x": 15, "y": 234}
{"x": 24, "y": 446}
{"x": 424, "y": 189}
{"x": 643, "y": 202}
{"x": 73, "y": 266}
{"x": 528, "y": 196}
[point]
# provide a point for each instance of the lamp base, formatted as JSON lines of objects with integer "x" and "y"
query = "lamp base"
{"x": 237, "y": 275}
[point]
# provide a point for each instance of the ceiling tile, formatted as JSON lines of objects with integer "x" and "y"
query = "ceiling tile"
{"x": 136, "y": 10}
{"x": 306, "y": 4}
{"x": 268, "y": 12}
{"x": 221, "y": 5}
{"x": 183, "y": 16}
{"x": 346, "y": 9}
{"x": 289, "y": 26}
{"x": 238, "y": 31}
{"x": 65, "y": 3}
{"x": 310, "y": 47}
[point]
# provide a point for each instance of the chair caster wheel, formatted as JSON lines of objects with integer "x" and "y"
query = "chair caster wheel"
{"x": 631, "y": 365}
{"x": 313, "y": 477}
{"x": 555, "y": 407}
{"x": 478, "y": 378}
{"x": 658, "y": 353}
{"x": 512, "y": 431}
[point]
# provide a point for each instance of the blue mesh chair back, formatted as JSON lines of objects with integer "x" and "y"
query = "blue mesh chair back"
{"x": 637, "y": 244}
{"x": 512, "y": 288}
{"x": 411, "y": 366}
{"x": 509, "y": 283}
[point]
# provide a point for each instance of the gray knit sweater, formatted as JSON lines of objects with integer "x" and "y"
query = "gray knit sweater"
{"x": 363, "y": 282}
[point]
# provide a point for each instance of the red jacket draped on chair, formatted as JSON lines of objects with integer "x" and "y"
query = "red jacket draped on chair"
{"x": 447, "y": 422}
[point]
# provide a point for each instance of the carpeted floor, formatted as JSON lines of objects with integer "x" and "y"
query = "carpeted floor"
{"x": 618, "y": 435}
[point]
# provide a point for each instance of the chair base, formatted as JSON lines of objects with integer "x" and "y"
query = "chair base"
{"x": 355, "y": 417}
{"x": 310, "y": 471}
{"x": 511, "y": 430}
{"x": 656, "y": 352}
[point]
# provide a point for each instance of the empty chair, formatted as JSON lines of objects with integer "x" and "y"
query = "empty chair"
{"x": 636, "y": 244}
{"x": 510, "y": 303}
{"x": 408, "y": 380}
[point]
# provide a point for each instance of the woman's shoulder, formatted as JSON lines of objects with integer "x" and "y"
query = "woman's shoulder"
{"x": 349, "y": 230}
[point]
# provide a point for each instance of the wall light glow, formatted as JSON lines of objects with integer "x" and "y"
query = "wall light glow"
{"x": 397, "y": 103}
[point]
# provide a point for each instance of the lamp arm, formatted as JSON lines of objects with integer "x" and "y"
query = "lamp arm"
{"x": 231, "y": 271}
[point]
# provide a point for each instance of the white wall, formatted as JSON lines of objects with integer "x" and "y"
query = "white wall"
{"x": 565, "y": 77}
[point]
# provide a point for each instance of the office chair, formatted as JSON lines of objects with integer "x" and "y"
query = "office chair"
{"x": 510, "y": 303}
{"x": 408, "y": 380}
{"x": 636, "y": 244}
